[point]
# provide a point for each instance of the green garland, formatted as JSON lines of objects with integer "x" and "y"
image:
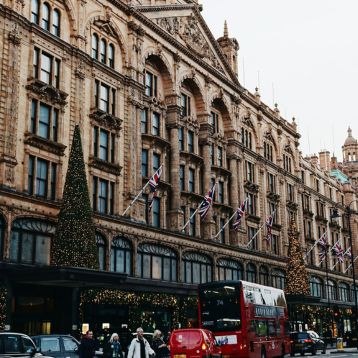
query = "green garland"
{"x": 180, "y": 306}
{"x": 3, "y": 294}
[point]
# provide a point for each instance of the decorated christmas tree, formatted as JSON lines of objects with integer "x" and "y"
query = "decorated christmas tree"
{"x": 74, "y": 244}
{"x": 296, "y": 275}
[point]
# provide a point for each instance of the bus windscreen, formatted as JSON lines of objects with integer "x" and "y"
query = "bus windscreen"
{"x": 220, "y": 308}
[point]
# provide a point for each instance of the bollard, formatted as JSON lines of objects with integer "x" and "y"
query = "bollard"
{"x": 339, "y": 343}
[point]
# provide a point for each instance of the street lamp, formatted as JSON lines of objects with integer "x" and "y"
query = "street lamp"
{"x": 348, "y": 212}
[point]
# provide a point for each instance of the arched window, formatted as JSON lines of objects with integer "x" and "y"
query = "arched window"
{"x": 264, "y": 276}
{"x": 95, "y": 46}
{"x": 56, "y": 17}
{"x": 103, "y": 51}
{"x": 197, "y": 268}
{"x": 111, "y": 56}
{"x": 230, "y": 270}
{"x": 332, "y": 290}
{"x": 45, "y": 22}
{"x": 344, "y": 292}
{"x": 278, "y": 279}
{"x": 251, "y": 273}
{"x": 354, "y": 294}
{"x": 2, "y": 237}
{"x": 156, "y": 262}
{"x": 35, "y": 9}
{"x": 121, "y": 256}
{"x": 101, "y": 247}
{"x": 316, "y": 287}
{"x": 30, "y": 241}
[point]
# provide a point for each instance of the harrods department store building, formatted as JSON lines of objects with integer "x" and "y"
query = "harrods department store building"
{"x": 148, "y": 84}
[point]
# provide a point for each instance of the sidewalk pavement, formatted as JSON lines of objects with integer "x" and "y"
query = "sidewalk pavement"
{"x": 334, "y": 350}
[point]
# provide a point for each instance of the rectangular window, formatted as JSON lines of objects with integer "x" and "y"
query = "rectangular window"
{"x": 185, "y": 105}
{"x": 290, "y": 193}
{"x": 221, "y": 192}
{"x": 181, "y": 138}
{"x": 41, "y": 178}
{"x": 31, "y": 173}
{"x": 103, "y": 145}
{"x": 151, "y": 82}
{"x": 214, "y": 121}
{"x": 190, "y": 141}
{"x": 103, "y": 196}
{"x": 220, "y": 156}
{"x": 104, "y": 98}
{"x": 46, "y": 68}
{"x": 35, "y": 12}
{"x": 111, "y": 198}
{"x": 53, "y": 180}
{"x": 212, "y": 154}
{"x": 113, "y": 143}
{"x": 36, "y": 63}
{"x": 144, "y": 121}
{"x": 44, "y": 121}
{"x": 271, "y": 183}
{"x": 156, "y": 212}
{"x": 57, "y": 73}
{"x": 156, "y": 124}
{"x": 144, "y": 162}
{"x": 182, "y": 177}
{"x": 33, "y": 116}
{"x": 192, "y": 223}
{"x": 250, "y": 175}
{"x": 156, "y": 162}
{"x": 222, "y": 234}
{"x": 94, "y": 193}
{"x": 251, "y": 207}
{"x": 95, "y": 141}
{"x": 191, "y": 184}
{"x": 113, "y": 102}
{"x": 275, "y": 245}
{"x": 251, "y": 233}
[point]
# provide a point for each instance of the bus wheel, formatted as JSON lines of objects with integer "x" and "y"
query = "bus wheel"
{"x": 263, "y": 352}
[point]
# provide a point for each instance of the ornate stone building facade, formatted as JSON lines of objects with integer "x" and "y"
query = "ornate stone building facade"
{"x": 148, "y": 85}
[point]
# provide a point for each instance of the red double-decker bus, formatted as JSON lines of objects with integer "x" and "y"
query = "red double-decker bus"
{"x": 248, "y": 320}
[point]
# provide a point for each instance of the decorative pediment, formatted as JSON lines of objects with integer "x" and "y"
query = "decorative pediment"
{"x": 187, "y": 28}
{"x": 105, "y": 26}
{"x": 247, "y": 122}
{"x": 268, "y": 136}
{"x": 288, "y": 149}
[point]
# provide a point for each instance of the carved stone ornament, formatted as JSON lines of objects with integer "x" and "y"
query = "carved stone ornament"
{"x": 247, "y": 122}
{"x": 273, "y": 197}
{"x": 288, "y": 149}
{"x": 106, "y": 120}
{"x": 48, "y": 92}
{"x": 105, "y": 25}
{"x": 251, "y": 187}
{"x": 44, "y": 144}
{"x": 14, "y": 35}
{"x": 268, "y": 135}
{"x": 188, "y": 30}
{"x": 102, "y": 165}
{"x": 291, "y": 205}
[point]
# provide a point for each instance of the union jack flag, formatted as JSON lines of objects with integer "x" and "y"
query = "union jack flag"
{"x": 268, "y": 224}
{"x": 206, "y": 203}
{"x": 153, "y": 184}
{"x": 338, "y": 251}
{"x": 240, "y": 213}
{"x": 323, "y": 243}
{"x": 348, "y": 253}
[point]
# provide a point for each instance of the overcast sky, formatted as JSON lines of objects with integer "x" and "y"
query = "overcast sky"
{"x": 304, "y": 53}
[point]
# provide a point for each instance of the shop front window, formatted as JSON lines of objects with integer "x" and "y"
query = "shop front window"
{"x": 197, "y": 268}
{"x": 230, "y": 270}
{"x": 121, "y": 255}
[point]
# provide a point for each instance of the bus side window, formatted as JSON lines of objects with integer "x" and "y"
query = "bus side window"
{"x": 261, "y": 328}
{"x": 271, "y": 329}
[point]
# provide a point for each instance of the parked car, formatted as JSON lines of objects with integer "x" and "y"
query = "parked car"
{"x": 193, "y": 342}
{"x": 306, "y": 342}
{"x": 58, "y": 346}
{"x": 17, "y": 345}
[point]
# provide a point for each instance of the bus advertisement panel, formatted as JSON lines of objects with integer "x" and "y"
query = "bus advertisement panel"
{"x": 248, "y": 320}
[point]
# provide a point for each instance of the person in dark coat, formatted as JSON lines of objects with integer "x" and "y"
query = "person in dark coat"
{"x": 113, "y": 349}
{"x": 159, "y": 346}
{"x": 87, "y": 348}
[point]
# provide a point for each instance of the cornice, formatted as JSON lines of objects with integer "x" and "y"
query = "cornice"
{"x": 148, "y": 8}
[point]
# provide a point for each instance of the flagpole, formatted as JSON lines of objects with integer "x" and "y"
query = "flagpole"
{"x": 350, "y": 265}
{"x": 187, "y": 223}
{"x": 231, "y": 217}
{"x": 312, "y": 248}
{"x": 257, "y": 232}
{"x": 328, "y": 251}
{"x": 140, "y": 193}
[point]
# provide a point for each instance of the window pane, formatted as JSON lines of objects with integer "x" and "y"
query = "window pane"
{"x": 14, "y": 246}
{"x": 166, "y": 273}
{"x": 103, "y": 145}
{"x": 46, "y": 63}
{"x": 157, "y": 267}
{"x": 56, "y": 23}
{"x": 188, "y": 272}
{"x": 196, "y": 272}
{"x": 146, "y": 266}
{"x": 111, "y": 56}
{"x": 44, "y": 121}
{"x": 95, "y": 46}
{"x": 35, "y": 11}
{"x": 45, "y": 23}
{"x": 69, "y": 344}
{"x": 50, "y": 344}
{"x": 128, "y": 262}
{"x": 43, "y": 244}
{"x": 104, "y": 98}
{"x": 27, "y": 247}
{"x": 120, "y": 261}
{"x": 102, "y": 196}
{"x": 103, "y": 52}
{"x": 41, "y": 178}
{"x": 174, "y": 270}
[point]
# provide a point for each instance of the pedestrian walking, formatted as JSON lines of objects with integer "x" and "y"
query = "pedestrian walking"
{"x": 113, "y": 348}
{"x": 139, "y": 347}
{"x": 159, "y": 346}
{"x": 87, "y": 348}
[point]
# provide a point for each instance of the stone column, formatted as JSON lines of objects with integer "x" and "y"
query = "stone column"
{"x": 174, "y": 213}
